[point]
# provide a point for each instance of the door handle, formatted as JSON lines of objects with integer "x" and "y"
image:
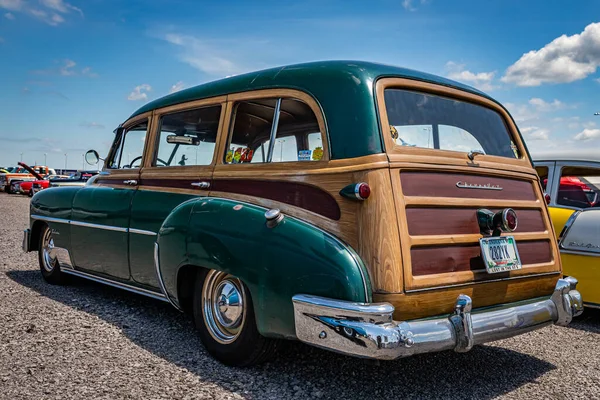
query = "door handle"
{"x": 201, "y": 185}
{"x": 131, "y": 182}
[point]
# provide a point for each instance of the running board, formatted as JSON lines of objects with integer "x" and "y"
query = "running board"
{"x": 124, "y": 286}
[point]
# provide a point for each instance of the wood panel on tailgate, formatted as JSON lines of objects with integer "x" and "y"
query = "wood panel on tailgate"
{"x": 438, "y": 223}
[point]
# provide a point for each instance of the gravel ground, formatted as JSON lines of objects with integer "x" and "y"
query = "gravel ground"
{"x": 87, "y": 340}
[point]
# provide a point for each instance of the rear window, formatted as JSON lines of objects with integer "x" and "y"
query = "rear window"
{"x": 436, "y": 122}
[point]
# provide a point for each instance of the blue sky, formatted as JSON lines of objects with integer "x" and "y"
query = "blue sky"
{"x": 71, "y": 71}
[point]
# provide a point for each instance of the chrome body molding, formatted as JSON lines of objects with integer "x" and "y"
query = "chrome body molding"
{"x": 369, "y": 331}
{"x": 26, "y": 239}
{"x": 98, "y": 226}
{"x": 142, "y": 232}
{"x": 161, "y": 283}
{"x": 94, "y": 226}
{"x": 120, "y": 285}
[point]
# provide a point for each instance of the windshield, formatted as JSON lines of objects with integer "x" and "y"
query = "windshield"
{"x": 435, "y": 122}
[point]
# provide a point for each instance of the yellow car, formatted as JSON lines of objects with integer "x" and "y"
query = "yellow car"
{"x": 571, "y": 182}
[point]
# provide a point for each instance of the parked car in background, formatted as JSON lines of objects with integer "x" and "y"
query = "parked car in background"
{"x": 580, "y": 252}
{"x": 27, "y": 187}
{"x": 78, "y": 178}
{"x": 571, "y": 181}
{"x": 366, "y": 209}
{"x": 27, "y": 173}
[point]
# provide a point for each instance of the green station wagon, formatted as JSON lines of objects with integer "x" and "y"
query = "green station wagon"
{"x": 362, "y": 208}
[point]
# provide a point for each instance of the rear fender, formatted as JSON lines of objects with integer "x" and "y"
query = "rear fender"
{"x": 275, "y": 263}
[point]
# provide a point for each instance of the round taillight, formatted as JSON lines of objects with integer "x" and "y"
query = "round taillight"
{"x": 509, "y": 217}
{"x": 547, "y": 198}
{"x": 362, "y": 191}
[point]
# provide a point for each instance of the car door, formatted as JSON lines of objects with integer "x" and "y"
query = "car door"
{"x": 101, "y": 212}
{"x": 180, "y": 167}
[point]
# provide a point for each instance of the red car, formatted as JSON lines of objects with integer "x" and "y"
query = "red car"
{"x": 31, "y": 187}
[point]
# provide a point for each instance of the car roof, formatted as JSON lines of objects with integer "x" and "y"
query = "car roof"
{"x": 568, "y": 155}
{"x": 343, "y": 89}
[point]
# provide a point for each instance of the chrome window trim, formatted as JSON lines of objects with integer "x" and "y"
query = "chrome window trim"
{"x": 481, "y": 282}
{"x": 95, "y": 226}
{"x": 119, "y": 285}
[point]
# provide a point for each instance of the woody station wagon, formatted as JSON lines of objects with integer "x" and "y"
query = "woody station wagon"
{"x": 361, "y": 208}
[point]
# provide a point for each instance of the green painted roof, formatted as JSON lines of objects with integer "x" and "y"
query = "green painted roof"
{"x": 343, "y": 89}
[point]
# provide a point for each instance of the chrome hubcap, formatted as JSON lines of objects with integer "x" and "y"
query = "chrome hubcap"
{"x": 48, "y": 252}
{"x": 224, "y": 306}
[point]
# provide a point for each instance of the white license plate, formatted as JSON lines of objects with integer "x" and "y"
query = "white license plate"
{"x": 500, "y": 254}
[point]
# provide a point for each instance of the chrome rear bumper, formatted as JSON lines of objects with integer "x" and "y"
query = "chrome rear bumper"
{"x": 368, "y": 330}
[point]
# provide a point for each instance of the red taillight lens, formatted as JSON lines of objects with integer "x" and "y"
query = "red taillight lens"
{"x": 363, "y": 191}
{"x": 510, "y": 219}
{"x": 547, "y": 198}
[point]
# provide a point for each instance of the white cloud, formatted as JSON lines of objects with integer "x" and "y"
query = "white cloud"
{"x": 10, "y": 16}
{"x": 139, "y": 92}
{"x": 543, "y": 106}
{"x": 67, "y": 68}
{"x": 589, "y": 124}
{"x": 408, "y": 4}
{"x": 588, "y": 134}
{"x": 535, "y": 133}
{"x": 481, "y": 80}
{"x": 177, "y": 87}
{"x": 52, "y": 11}
{"x": 203, "y": 56}
{"x": 12, "y": 5}
{"x": 565, "y": 59}
{"x": 60, "y": 6}
{"x": 95, "y": 125}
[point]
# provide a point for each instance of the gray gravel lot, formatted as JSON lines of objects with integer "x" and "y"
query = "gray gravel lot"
{"x": 87, "y": 340}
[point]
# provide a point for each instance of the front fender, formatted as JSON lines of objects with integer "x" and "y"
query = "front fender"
{"x": 275, "y": 263}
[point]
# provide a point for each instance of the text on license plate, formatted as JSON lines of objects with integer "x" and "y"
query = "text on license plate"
{"x": 500, "y": 254}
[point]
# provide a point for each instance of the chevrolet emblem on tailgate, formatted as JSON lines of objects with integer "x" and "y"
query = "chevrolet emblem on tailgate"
{"x": 487, "y": 186}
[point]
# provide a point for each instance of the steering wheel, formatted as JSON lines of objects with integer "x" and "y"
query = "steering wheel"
{"x": 139, "y": 158}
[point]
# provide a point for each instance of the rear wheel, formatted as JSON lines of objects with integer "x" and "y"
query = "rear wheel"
{"x": 47, "y": 257}
{"x": 224, "y": 316}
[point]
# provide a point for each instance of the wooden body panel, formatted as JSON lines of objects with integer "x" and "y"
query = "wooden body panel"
{"x": 441, "y": 301}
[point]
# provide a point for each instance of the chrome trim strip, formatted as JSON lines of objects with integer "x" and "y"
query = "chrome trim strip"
{"x": 480, "y": 282}
{"x": 161, "y": 283}
{"x": 124, "y": 286}
{"x": 591, "y": 305}
{"x": 142, "y": 232}
{"x": 98, "y": 226}
{"x": 50, "y": 219}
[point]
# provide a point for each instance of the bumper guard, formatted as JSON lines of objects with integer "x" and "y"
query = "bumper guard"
{"x": 368, "y": 330}
{"x": 26, "y": 238}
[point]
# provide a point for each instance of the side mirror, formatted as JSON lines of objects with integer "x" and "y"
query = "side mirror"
{"x": 92, "y": 157}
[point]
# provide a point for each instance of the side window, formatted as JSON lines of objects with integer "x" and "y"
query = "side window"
{"x": 130, "y": 148}
{"x": 274, "y": 130}
{"x": 188, "y": 137}
{"x": 579, "y": 187}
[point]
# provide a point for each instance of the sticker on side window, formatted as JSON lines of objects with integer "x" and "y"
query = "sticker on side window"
{"x": 304, "y": 155}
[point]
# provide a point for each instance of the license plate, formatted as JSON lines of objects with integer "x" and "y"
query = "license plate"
{"x": 500, "y": 254}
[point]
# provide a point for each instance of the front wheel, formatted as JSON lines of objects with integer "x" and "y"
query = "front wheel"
{"x": 224, "y": 317}
{"x": 30, "y": 193}
{"x": 47, "y": 256}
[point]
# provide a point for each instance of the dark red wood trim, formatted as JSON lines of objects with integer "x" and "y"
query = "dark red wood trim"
{"x": 447, "y": 259}
{"x": 442, "y": 184}
{"x": 309, "y": 197}
{"x": 458, "y": 221}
